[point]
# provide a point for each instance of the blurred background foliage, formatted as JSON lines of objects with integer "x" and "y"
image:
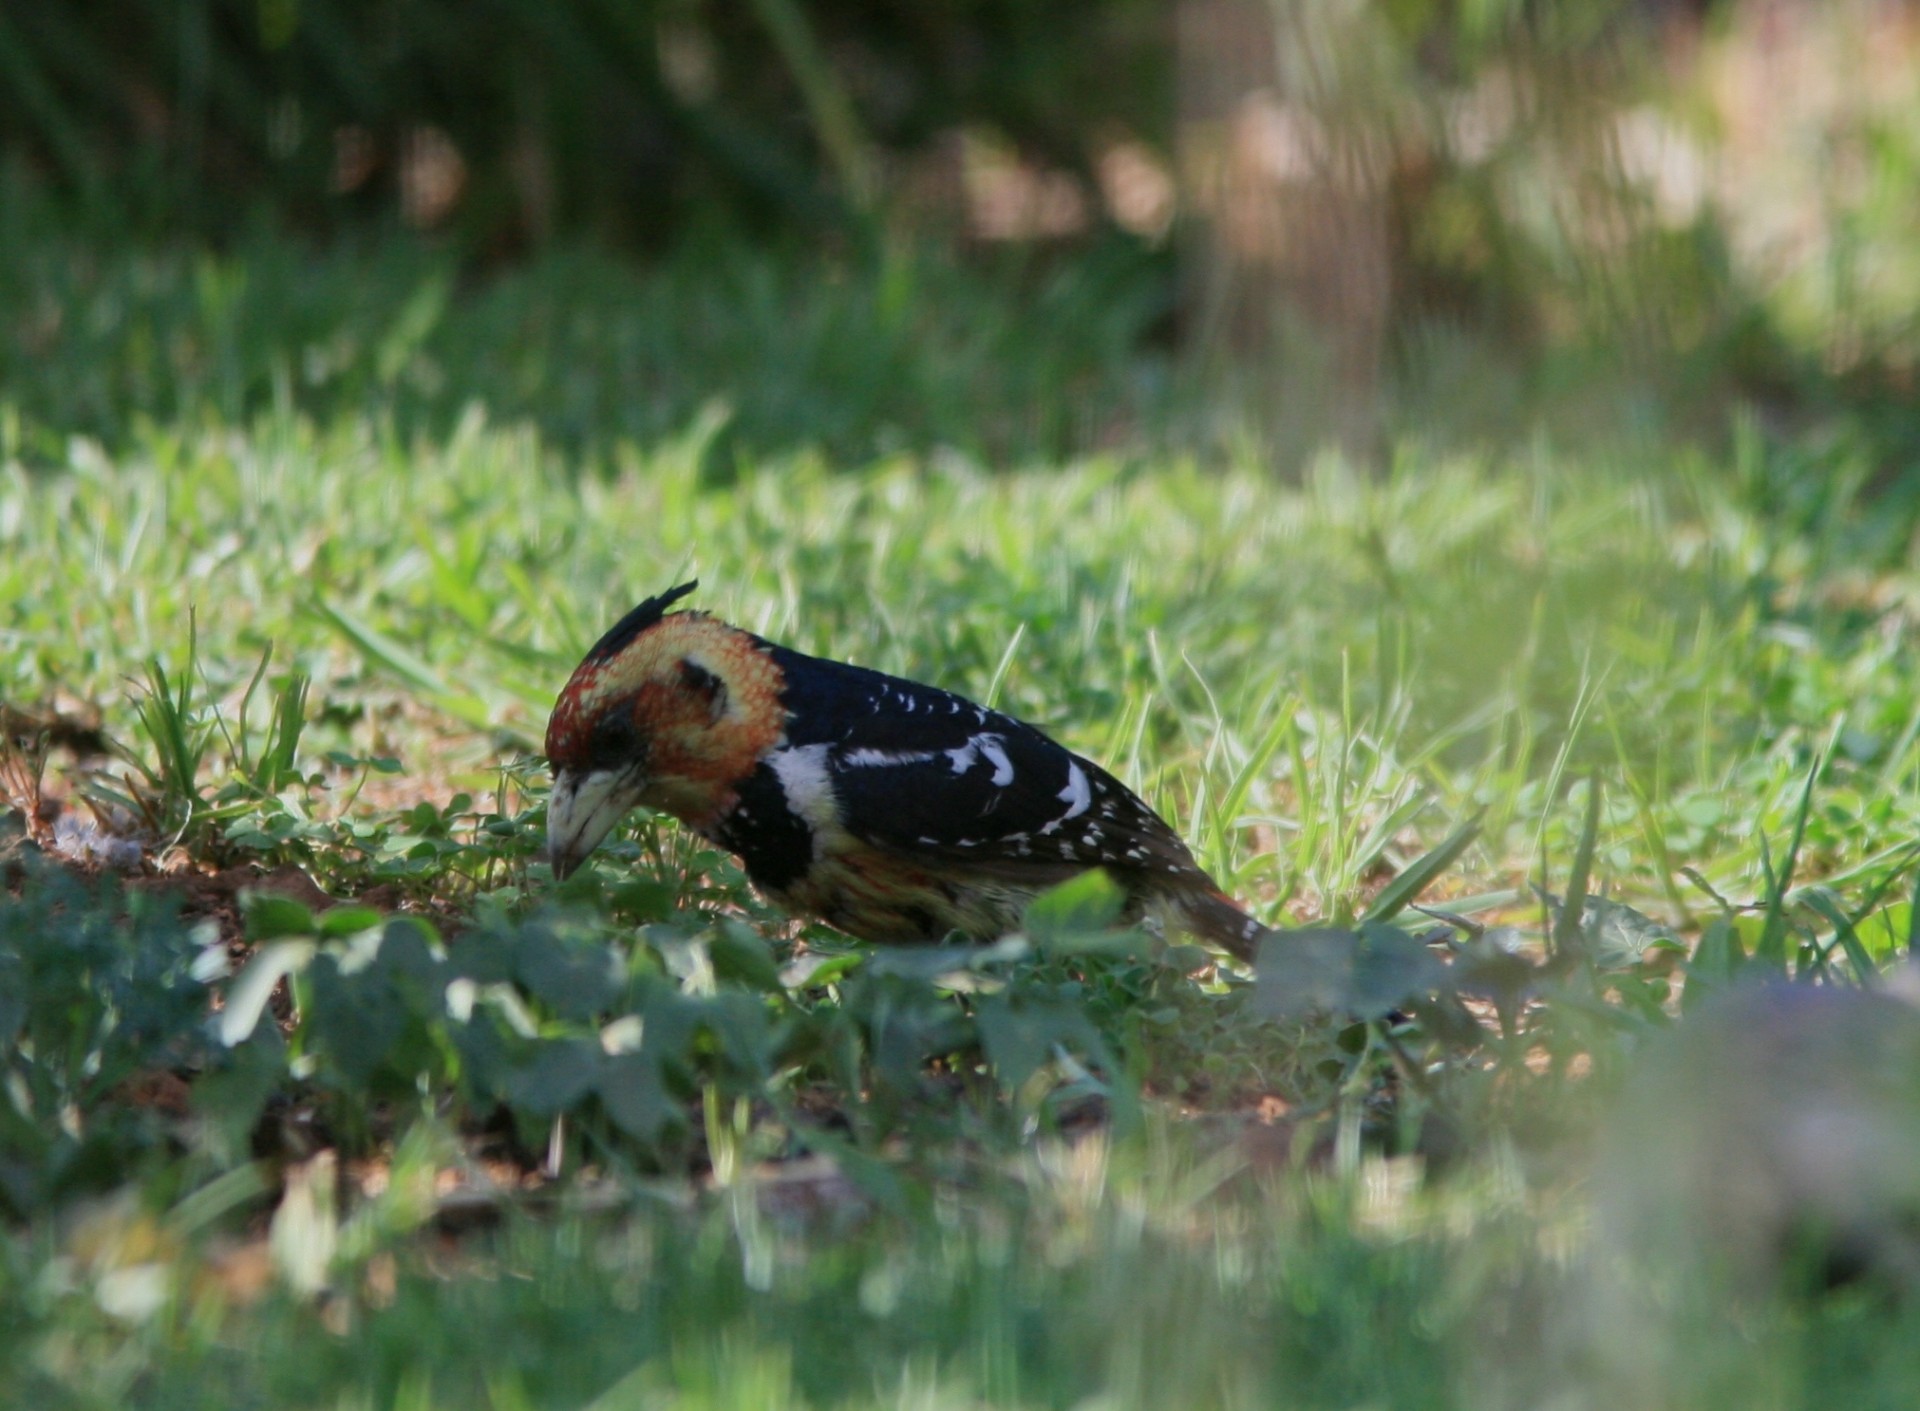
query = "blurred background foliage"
{"x": 1296, "y": 220}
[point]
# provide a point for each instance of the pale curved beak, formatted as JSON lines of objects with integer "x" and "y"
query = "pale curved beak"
{"x": 583, "y": 809}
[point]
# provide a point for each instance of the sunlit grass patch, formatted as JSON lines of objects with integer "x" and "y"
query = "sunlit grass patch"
{"x": 379, "y": 1114}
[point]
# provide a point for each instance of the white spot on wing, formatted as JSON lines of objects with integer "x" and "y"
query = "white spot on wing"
{"x": 1077, "y": 795}
{"x": 803, "y": 778}
{"x": 993, "y": 748}
{"x": 870, "y": 759}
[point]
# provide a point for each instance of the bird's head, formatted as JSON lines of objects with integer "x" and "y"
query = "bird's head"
{"x": 670, "y": 711}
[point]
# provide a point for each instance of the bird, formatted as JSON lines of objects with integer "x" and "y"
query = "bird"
{"x": 894, "y": 811}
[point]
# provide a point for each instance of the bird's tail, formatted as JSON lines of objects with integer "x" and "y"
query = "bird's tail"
{"x": 1214, "y": 917}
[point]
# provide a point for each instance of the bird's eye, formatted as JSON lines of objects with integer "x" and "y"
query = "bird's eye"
{"x": 704, "y": 684}
{"x": 616, "y": 741}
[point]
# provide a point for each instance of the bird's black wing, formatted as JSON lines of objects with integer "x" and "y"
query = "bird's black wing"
{"x": 928, "y": 773}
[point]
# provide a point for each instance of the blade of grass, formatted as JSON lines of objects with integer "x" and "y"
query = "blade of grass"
{"x": 1569, "y": 936}
{"x": 829, "y": 106}
{"x": 289, "y": 722}
{"x": 1772, "y": 947}
{"x": 1582, "y": 707}
{"x": 387, "y": 655}
{"x": 1844, "y": 936}
{"x": 1003, "y": 667}
{"x": 1403, "y": 890}
{"x": 239, "y": 749}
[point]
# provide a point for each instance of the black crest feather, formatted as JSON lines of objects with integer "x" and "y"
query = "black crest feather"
{"x": 638, "y": 621}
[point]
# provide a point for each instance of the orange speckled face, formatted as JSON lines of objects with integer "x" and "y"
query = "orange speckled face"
{"x": 687, "y": 706}
{"x": 709, "y": 703}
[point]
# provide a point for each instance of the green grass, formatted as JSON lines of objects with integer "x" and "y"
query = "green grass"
{"x": 324, "y": 619}
{"x": 785, "y": 349}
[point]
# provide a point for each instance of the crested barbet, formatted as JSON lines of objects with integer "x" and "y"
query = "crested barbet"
{"x": 891, "y": 810}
